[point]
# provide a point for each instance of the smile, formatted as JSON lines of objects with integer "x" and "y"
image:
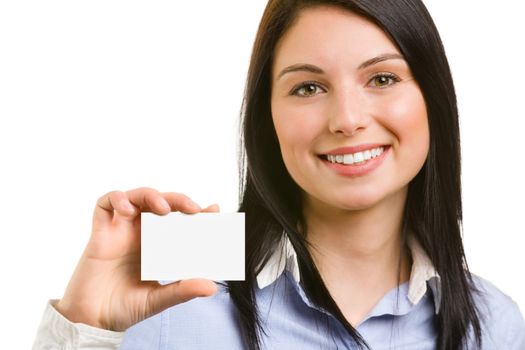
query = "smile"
{"x": 355, "y": 158}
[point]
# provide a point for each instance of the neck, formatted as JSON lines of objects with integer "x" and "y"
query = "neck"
{"x": 360, "y": 246}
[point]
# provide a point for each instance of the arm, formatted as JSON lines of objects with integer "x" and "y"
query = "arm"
{"x": 88, "y": 315}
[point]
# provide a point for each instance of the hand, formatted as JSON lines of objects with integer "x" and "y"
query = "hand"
{"x": 105, "y": 290}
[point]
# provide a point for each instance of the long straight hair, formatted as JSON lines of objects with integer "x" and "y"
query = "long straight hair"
{"x": 272, "y": 200}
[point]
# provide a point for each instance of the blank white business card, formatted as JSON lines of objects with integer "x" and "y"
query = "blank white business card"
{"x": 180, "y": 246}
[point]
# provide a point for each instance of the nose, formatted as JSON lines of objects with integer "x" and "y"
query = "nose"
{"x": 348, "y": 113}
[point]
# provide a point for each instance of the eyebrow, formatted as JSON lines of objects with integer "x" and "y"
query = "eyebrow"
{"x": 305, "y": 67}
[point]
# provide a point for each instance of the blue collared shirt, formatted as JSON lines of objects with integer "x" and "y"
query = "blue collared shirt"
{"x": 402, "y": 319}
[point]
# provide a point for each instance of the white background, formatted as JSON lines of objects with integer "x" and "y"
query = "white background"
{"x": 104, "y": 95}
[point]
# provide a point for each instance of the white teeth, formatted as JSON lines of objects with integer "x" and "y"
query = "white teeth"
{"x": 348, "y": 159}
{"x": 357, "y": 157}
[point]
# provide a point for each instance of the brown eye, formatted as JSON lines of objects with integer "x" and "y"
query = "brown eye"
{"x": 306, "y": 90}
{"x": 384, "y": 80}
{"x": 309, "y": 89}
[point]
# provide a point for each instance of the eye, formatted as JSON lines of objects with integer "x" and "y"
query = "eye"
{"x": 306, "y": 89}
{"x": 382, "y": 80}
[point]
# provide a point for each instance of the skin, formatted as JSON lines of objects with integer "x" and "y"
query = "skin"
{"x": 354, "y": 223}
{"x": 105, "y": 290}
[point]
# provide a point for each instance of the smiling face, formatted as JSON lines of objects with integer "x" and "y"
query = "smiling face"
{"x": 342, "y": 93}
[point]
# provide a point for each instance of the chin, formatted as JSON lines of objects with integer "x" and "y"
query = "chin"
{"x": 357, "y": 204}
{"x": 347, "y": 202}
{"x": 362, "y": 200}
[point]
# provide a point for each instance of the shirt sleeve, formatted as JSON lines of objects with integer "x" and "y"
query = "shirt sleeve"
{"x": 57, "y": 332}
{"x": 516, "y": 334}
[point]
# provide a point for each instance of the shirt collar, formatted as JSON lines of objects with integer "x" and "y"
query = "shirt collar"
{"x": 423, "y": 270}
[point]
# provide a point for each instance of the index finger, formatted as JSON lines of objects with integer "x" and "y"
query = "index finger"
{"x": 126, "y": 204}
{"x": 181, "y": 202}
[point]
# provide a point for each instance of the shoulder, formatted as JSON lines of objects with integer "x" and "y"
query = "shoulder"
{"x": 490, "y": 300}
{"x": 501, "y": 319}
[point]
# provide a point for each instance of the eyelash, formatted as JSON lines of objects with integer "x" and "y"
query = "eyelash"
{"x": 390, "y": 76}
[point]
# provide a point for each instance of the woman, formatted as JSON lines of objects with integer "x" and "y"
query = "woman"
{"x": 352, "y": 200}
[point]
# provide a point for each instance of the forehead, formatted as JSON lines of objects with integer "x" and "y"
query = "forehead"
{"x": 329, "y": 35}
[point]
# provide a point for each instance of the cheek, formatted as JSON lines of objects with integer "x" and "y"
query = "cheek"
{"x": 296, "y": 128}
{"x": 407, "y": 119}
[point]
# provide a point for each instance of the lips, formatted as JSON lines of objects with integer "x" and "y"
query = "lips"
{"x": 351, "y": 151}
{"x": 362, "y": 167}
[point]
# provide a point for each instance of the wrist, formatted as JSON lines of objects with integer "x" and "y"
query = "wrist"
{"x": 74, "y": 315}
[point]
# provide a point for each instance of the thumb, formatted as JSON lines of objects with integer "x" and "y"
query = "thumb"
{"x": 163, "y": 297}
{"x": 214, "y": 208}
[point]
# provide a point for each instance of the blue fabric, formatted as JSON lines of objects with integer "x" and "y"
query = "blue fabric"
{"x": 292, "y": 322}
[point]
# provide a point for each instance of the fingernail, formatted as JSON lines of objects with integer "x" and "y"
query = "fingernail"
{"x": 127, "y": 205}
{"x": 164, "y": 204}
{"x": 192, "y": 204}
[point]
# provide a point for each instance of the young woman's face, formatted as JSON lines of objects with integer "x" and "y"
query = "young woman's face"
{"x": 350, "y": 119}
